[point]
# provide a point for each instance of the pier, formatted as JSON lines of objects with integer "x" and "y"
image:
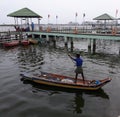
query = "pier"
{"x": 72, "y": 36}
{"x": 69, "y": 32}
{"x": 65, "y": 34}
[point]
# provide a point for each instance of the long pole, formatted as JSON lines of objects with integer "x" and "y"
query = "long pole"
{"x": 83, "y": 21}
{"x": 48, "y": 18}
{"x": 56, "y": 22}
{"x": 76, "y": 14}
{"x": 116, "y": 17}
{"x": 76, "y": 17}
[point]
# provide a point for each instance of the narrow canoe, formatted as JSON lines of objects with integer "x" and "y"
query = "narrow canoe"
{"x": 61, "y": 81}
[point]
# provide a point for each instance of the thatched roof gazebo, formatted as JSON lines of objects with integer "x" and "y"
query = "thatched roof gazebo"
{"x": 24, "y": 14}
{"x": 104, "y": 17}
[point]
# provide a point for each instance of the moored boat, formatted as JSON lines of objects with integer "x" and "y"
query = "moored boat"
{"x": 33, "y": 41}
{"x": 25, "y": 42}
{"x": 61, "y": 81}
{"x": 11, "y": 43}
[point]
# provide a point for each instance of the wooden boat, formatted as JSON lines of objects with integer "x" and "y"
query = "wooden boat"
{"x": 61, "y": 81}
{"x": 33, "y": 41}
{"x": 11, "y": 43}
{"x": 25, "y": 42}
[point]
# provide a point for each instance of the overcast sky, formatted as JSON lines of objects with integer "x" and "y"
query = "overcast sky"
{"x": 65, "y": 9}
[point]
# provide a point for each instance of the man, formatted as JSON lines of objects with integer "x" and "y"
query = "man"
{"x": 32, "y": 26}
{"x": 79, "y": 63}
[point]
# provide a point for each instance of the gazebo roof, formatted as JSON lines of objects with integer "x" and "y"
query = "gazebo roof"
{"x": 104, "y": 17}
{"x": 24, "y": 13}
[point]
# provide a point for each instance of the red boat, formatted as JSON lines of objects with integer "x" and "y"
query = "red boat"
{"x": 25, "y": 42}
{"x": 11, "y": 43}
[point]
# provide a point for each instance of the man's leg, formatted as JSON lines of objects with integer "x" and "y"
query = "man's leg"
{"x": 83, "y": 77}
{"x": 76, "y": 77}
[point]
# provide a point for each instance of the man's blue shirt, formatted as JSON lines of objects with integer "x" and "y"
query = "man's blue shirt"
{"x": 78, "y": 61}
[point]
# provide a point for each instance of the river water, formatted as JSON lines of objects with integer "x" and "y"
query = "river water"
{"x": 23, "y": 99}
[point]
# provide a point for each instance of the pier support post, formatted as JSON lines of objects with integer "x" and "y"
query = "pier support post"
{"x": 94, "y": 46}
{"x": 66, "y": 41}
{"x": 33, "y": 36}
{"x": 47, "y": 39}
{"x": 40, "y": 36}
{"x": 40, "y": 39}
{"x": 72, "y": 44}
{"x": 89, "y": 46}
{"x": 54, "y": 41}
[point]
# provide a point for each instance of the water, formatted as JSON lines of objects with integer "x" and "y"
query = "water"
{"x": 23, "y": 99}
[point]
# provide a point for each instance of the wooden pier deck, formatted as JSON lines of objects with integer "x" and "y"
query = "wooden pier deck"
{"x": 79, "y": 35}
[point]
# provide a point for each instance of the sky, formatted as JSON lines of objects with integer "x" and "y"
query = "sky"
{"x": 65, "y": 10}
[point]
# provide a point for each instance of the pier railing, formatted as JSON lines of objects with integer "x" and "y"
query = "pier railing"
{"x": 63, "y": 28}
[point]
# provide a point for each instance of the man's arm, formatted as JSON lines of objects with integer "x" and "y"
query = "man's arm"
{"x": 70, "y": 56}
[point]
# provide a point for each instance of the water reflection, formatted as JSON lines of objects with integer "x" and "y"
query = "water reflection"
{"x": 78, "y": 103}
{"x": 30, "y": 57}
{"x": 80, "y": 99}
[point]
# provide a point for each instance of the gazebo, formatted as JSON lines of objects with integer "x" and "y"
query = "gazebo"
{"x": 25, "y": 14}
{"x": 104, "y": 17}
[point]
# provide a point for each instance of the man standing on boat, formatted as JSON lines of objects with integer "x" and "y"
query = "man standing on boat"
{"x": 79, "y": 63}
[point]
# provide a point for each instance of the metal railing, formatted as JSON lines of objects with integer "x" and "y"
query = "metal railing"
{"x": 61, "y": 28}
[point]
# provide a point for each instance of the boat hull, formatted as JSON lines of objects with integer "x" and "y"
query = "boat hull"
{"x": 25, "y": 42}
{"x": 33, "y": 41}
{"x": 11, "y": 44}
{"x": 64, "y": 81}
